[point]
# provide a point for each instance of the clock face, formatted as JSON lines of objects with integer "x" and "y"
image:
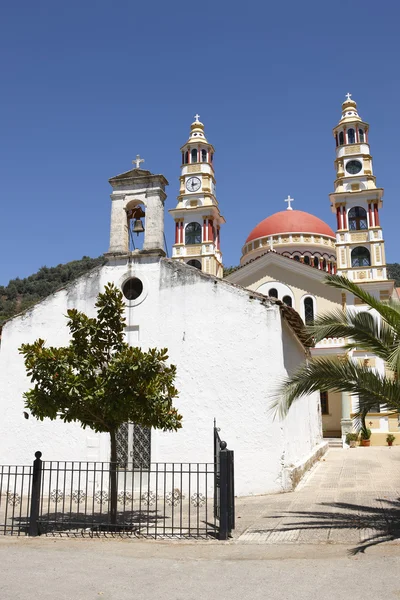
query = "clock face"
{"x": 193, "y": 184}
{"x": 353, "y": 167}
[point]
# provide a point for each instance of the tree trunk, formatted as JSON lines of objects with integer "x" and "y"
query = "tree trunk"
{"x": 113, "y": 478}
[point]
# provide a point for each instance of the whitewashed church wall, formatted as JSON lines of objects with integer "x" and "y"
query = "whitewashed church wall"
{"x": 229, "y": 350}
{"x": 20, "y": 438}
{"x": 304, "y": 422}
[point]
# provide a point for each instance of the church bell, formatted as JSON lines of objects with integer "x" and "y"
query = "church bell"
{"x": 138, "y": 226}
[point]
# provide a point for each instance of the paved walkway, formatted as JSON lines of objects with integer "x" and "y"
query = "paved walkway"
{"x": 351, "y": 497}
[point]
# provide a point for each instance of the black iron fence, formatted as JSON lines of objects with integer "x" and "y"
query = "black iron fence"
{"x": 91, "y": 498}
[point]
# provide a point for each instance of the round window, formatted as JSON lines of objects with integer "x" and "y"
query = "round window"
{"x": 132, "y": 288}
{"x": 353, "y": 167}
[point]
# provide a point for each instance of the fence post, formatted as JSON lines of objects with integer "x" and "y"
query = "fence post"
{"x": 223, "y": 492}
{"x": 35, "y": 497}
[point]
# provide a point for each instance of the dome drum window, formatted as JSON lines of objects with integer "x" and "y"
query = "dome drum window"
{"x": 273, "y": 293}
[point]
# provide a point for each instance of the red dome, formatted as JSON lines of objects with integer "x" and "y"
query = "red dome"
{"x": 290, "y": 221}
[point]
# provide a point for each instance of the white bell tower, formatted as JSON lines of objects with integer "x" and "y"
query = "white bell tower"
{"x": 197, "y": 216}
{"x": 357, "y": 202}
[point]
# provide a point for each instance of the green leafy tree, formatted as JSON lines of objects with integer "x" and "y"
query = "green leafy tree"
{"x": 100, "y": 381}
{"x": 377, "y": 330}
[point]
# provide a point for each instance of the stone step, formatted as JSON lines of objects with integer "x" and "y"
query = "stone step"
{"x": 334, "y": 442}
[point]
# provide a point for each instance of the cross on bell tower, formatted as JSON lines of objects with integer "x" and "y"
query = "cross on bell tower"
{"x": 138, "y": 161}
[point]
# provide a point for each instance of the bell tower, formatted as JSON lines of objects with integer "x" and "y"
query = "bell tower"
{"x": 357, "y": 201}
{"x": 197, "y": 216}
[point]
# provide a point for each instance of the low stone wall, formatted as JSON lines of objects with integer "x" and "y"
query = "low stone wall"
{"x": 294, "y": 474}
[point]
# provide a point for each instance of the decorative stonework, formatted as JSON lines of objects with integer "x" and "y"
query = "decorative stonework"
{"x": 359, "y": 237}
{"x": 353, "y": 149}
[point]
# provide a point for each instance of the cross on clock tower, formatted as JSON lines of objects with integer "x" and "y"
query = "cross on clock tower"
{"x": 197, "y": 216}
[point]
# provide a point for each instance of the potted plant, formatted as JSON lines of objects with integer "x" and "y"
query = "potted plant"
{"x": 390, "y": 439}
{"x": 351, "y": 439}
{"x": 365, "y": 436}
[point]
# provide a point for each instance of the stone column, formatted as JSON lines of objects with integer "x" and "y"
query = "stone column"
{"x": 154, "y": 233}
{"x": 346, "y": 422}
{"x": 119, "y": 241}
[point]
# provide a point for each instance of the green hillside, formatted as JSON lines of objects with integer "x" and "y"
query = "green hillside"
{"x": 20, "y": 294}
{"x": 394, "y": 273}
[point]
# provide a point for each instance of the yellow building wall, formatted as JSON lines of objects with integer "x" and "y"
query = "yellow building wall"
{"x": 331, "y": 422}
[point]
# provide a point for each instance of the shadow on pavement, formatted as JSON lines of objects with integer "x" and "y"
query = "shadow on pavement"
{"x": 376, "y": 524}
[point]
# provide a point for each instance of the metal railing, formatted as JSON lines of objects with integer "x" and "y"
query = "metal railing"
{"x": 101, "y": 498}
{"x": 75, "y": 498}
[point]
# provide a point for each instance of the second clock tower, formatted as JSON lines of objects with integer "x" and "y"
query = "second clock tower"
{"x": 197, "y": 216}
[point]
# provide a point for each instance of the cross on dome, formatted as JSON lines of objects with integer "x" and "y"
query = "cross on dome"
{"x": 289, "y": 200}
{"x": 348, "y": 97}
{"x": 196, "y": 118}
{"x": 137, "y": 161}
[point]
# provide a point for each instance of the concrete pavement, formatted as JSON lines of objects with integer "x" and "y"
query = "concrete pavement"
{"x": 350, "y": 497}
{"x": 93, "y": 569}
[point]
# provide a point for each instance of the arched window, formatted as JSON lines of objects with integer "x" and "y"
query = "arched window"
{"x": 273, "y": 293}
{"x": 324, "y": 264}
{"x": 351, "y": 136}
{"x": 358, "y": 218}
{"x": 186, "y": 157}
{"x": 296, "y": 257}
{"x": 360, "y": 257}
{"x": 306, "y": 260}
{"x": 204, "y": 155}
{"x": 308, "y": 310}
{"x": 212, "y": 157}
{"x": 195, "y": 263}
{"x": 287, "y": 300}
{"x": 194, "y": 155}
{"x": 316, "y": 261}
{"x": 193, "y": 233}
{"x": 341, "y": 138}
{"x": 361, "y": 135}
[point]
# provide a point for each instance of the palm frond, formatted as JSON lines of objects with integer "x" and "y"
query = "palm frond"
{"x": 323, "y": 374}
{"x": 390, "y": 313}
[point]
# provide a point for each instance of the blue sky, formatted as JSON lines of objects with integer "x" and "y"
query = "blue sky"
{"x": 88, "y": 85}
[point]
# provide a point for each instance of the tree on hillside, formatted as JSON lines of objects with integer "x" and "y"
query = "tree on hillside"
{"x": 100, "y": 381}
{"x": 21, "y": 294}
{"x": 377, "y": 332}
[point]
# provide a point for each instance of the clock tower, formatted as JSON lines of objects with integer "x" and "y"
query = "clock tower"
{"x": 197, "y": 216}
{"x": 357, "y": 202}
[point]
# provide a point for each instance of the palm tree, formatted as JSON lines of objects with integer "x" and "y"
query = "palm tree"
{"x": 375, "y": 329}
